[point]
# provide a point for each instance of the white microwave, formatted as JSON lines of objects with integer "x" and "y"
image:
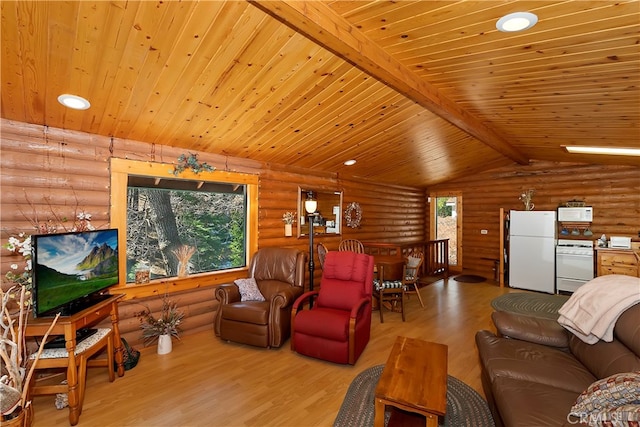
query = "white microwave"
{"x": 582, "y": 214}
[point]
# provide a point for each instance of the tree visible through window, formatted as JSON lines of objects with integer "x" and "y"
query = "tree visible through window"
{"x": 178, "y": 227}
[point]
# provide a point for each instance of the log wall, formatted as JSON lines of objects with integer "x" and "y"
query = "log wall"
{"x": 47, "y": 171}
{"x": 613, "y": 191}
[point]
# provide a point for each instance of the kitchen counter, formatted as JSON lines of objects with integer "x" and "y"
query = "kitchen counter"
{"x": 618, "y": 261}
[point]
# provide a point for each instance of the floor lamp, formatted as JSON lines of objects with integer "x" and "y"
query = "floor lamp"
{"x": 310, "y": 205}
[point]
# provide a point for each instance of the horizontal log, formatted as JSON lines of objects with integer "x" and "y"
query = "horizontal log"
{"x": 59, "y": 147}
{"x": 53, "y": 179}
{"x": 70, "y": 197}
{"x": 74, "y": 166}
{"x": 398, "y": 204}
{"x": 202, "y": 320}
{"x": 13, "y": 227}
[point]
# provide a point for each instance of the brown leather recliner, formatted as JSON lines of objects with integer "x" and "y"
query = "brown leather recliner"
{"x": 279, "y": 274}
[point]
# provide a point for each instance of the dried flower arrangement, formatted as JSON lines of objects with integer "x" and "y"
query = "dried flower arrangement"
{"x": 289, "y": 217}
{"x": 527, "y": 198}
{"x": 183, "y": 254}
{"x": 21, "y": 243}
{"x": 168, "y": 323}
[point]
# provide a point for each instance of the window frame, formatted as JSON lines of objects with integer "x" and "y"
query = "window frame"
{"x": 120, "y": 171}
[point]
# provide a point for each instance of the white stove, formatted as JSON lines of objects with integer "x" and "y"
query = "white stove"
{"x": 574, "y": 264}
{"x": 574, "y": 247}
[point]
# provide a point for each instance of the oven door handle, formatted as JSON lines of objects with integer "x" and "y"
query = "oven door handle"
{"x": 575, "y": 255}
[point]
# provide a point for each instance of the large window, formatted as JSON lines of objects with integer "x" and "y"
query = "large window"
{"x": 181, "y": 227}
{"x": 190, "y": 230}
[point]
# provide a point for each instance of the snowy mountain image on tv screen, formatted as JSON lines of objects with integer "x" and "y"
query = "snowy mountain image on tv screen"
{"x": 73, "y": 265}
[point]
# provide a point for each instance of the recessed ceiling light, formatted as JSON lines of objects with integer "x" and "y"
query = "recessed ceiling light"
{"x": 74, "y": 101}
{"x": 517, "y": 21}
{"x": 616, "y": 151}
{"x": 350, "y": 162}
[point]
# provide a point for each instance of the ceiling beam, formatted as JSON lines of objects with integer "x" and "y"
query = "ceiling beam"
{"x": 318, "y": 22}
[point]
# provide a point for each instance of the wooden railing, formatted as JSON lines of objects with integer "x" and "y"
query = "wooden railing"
{"x": 436, "y": 259}
{"x": 382, "y": 249}
{"x": 436, "y": 254}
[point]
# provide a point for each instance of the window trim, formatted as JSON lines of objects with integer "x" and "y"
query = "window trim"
{"x": 120, "y": 171}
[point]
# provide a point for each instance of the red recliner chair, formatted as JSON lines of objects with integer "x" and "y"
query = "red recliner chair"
{"x": 338, "y": 327}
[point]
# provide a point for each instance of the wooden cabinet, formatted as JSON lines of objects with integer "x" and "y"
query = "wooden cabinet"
{"x": 618, "y": 261}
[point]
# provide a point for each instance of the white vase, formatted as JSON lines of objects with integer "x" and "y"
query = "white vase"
{"x": 164, "y": 344}
{"x": 288, "y": 230}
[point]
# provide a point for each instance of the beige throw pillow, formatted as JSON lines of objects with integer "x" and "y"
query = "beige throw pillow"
{"x": 249, "y": 290}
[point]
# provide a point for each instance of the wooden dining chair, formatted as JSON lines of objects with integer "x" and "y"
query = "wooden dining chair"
{"x": 322, "y": 254}
{"x": 411, "y": 275}
{"x": 388, "y": 292}
{"x": 352, "y": 245}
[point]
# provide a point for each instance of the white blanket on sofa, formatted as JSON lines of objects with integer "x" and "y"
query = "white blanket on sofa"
{"x": 592, "y": 311}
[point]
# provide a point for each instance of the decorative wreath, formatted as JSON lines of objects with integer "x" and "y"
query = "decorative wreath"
{"x": 353, "y": 215}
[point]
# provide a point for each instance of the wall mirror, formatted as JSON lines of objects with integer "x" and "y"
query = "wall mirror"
{"x": 328, "y": 215}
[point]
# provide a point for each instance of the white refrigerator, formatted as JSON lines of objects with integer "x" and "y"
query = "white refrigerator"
{"x": 532, "y": 258}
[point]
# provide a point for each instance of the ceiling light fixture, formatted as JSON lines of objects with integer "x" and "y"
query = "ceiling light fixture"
{"x": 615, "y": 151}
{"x": 74, "y": 101}
{"x": 350, "y": 162}
{"x": 517, "y": 21}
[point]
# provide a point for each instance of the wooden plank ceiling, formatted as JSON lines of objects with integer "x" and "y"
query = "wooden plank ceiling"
{"x": 418, "y": 92}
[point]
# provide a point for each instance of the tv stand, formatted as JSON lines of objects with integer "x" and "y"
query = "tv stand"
{"x": 68, "y": 326}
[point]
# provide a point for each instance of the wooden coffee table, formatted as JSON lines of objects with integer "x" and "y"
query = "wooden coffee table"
{"x": 414, "y": 379}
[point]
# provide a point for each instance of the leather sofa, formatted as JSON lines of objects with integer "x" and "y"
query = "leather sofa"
{"x": 279, "y": 275}
{"x": 533, "y": 369}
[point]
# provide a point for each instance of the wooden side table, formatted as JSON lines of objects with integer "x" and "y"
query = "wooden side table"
{"x": 67, "y": 326}
{"x": 414, "y": 379}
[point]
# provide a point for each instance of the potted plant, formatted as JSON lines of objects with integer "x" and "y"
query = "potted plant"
{"x": 163, "y": 327}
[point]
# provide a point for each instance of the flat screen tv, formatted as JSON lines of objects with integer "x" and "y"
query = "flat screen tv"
{"x": 70, "y": 270}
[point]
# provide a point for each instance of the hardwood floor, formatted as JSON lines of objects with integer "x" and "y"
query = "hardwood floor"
{"x": 207, "y": 382}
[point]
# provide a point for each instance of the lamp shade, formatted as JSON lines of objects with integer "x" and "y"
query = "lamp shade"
{"x": 311, "y": 204}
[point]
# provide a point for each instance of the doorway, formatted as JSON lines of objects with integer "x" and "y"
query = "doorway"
{"x": 446, "y": 223}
